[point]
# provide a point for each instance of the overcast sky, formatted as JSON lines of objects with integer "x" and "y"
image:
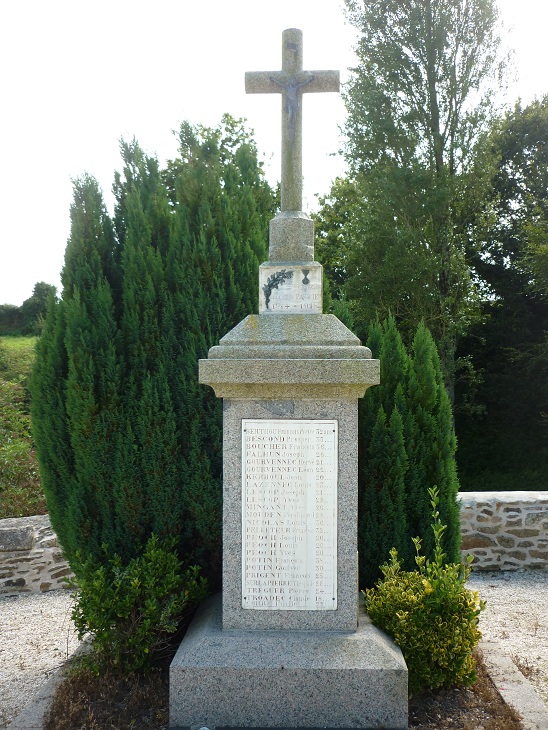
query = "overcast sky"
{"x": 77, "y": 76}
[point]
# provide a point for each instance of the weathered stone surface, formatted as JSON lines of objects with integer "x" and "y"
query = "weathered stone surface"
{"x": 289, "y": 356}
{"x": 517, "y": 555}
{"x": 289, "y": 379}
{"x": 537, "y": 518}
{"x": 524, "y": 532}
{"x": 488, "y": 530}
{"x": 505, "y": 541}
{"x": 471, "y": 542}
{"x": 300, "y": 330}
{"x": 518, "y": 525}
{"x": 291, "y": 237}
{"x": 14, "y": 537}
{"x": 286, "y": 678}
{"x": 31, "y": 570}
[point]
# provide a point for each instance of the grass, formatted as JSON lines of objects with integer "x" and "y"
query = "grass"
{"x": 21, "y": 492}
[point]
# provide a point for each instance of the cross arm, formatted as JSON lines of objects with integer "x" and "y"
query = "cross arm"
{"x": 269, "y": 82}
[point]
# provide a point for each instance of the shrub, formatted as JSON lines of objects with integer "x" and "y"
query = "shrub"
{"x": 130, "y": 610}
{"x": 413, "y": 452}
{"x": 129, "y": 442}
{"x": 430, "y": 614}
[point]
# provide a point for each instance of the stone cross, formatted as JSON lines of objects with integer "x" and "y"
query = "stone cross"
{"x": 291, "y": 82}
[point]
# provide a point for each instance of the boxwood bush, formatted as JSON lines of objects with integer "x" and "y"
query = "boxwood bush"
{"x": 129, "y": 610}
{"x": 430, "y": 614}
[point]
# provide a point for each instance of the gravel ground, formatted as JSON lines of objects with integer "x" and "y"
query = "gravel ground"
{"x": 516, "y": 617}
{"x": 36, "y": 633}
{"x": 36, "y": 636}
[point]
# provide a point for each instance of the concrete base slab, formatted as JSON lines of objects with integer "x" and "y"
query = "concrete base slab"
{"x": 292, "y": 679}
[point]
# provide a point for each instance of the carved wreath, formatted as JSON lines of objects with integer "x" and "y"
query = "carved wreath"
{"x": 274, "y": 281}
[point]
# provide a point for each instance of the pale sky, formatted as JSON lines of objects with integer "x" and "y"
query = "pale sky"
{"x": 76, "y": 76}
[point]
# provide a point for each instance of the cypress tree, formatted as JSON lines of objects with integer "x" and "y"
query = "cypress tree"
{"x": 382, "y": 457}
{"x": 382, "y": 524}
{"x": 431, "y": 448}
{"x": 407, "y": 446}
{"x": 129, "y": 442}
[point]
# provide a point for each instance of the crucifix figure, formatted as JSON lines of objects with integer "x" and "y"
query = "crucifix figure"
{"x": 291, "y": 82}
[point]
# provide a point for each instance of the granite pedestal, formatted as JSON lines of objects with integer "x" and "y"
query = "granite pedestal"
{"x": 239, "y": 667}
{"x": 284, "y": 646}
{"x": 291, "y": 679}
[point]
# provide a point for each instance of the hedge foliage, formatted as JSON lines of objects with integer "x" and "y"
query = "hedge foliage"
{"x": 129, "y": 443}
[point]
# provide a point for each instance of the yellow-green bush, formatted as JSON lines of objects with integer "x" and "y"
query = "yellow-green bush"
{"x": 430, "y": 614}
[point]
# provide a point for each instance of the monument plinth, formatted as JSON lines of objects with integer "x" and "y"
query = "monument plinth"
{"x": 285, "y": 646}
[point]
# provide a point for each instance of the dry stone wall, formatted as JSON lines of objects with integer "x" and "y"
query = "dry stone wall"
{"x": 505, "y": 530}
{"x": 501, "y": 530}
{"x": 31, "y": 560}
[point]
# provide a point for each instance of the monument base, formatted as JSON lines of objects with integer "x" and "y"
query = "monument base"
{"x": 286, "y": 679}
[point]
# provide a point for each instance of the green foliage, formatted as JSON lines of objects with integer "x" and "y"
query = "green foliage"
{"x": 11, "y": 320}
{"x": 20, "y": 488}
{"x": 395, "y": 235}
{"x": 430, "y": 614}
{"x": 502, "y": 416}
{"x": 129, "y": 442}
{"x": 28, "y": 319}
{"x": 130, "y": 609}
{"x": 406, "y": 446}
{"x": 34, "y": 309}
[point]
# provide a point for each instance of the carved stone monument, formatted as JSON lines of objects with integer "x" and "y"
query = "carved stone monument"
{"x": 285, "y": 646}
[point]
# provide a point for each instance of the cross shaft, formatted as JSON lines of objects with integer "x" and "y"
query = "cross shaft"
{"x": 291, "y": 82}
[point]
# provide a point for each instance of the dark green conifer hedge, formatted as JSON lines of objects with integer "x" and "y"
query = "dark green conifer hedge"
{"x": 129, "y": 443}
{"x": 407, "y": 446}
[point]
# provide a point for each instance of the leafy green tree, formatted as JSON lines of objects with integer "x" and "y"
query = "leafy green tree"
{"x": 416, "y": 166}
{"x": 129, "y": 442}
{"x": 501, "y": 418}
{"x": 33, "y": 310}
{"x": 11, "y": 320}
{"x": 28, "y": 318}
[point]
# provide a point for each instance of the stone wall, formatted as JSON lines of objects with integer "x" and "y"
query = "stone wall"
{"x": 505, "y": 530}
{"x": 502, "y": 530}
{"x": 30, "y": 557}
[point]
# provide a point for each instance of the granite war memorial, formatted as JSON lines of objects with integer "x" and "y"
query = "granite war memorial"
{"x": 285, "y": 644}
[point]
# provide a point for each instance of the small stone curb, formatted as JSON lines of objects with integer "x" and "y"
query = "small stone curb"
{"x": 32, "y": 715}
{"x": 514, "y": 688}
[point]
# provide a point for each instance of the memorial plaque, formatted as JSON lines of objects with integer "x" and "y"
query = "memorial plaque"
{"x": 290, "y": 289}
{"x": 289, "y": 514}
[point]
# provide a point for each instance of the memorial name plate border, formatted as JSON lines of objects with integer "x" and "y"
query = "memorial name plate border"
{"x": 290, "y": 289}
{"x": 289, "y": 514}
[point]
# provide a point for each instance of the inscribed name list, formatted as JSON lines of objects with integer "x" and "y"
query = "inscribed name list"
{"x": 289, "y": 514}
